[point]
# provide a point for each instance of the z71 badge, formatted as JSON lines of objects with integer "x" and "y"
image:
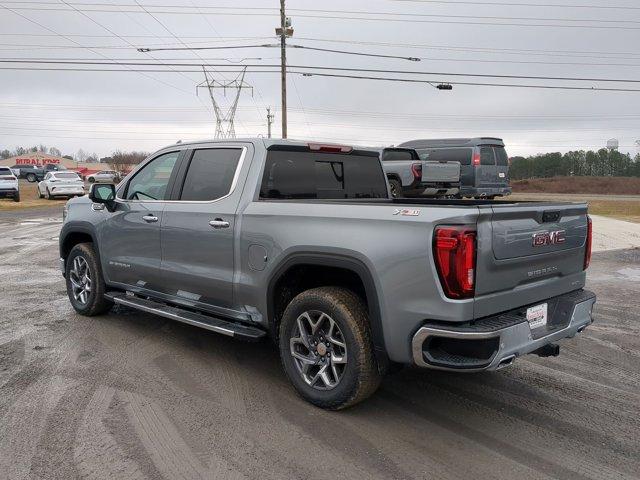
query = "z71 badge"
{"x": 407, "y": 212}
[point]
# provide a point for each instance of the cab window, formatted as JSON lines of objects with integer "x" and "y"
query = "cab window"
{"x": 150, "y": 183}
{"x": 210, "y": 174}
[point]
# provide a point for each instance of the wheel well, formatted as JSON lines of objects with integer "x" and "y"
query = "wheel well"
{"x": 393, "y": 176}
{"x": 298, "y": 278}
{"x": 72, "y": 239}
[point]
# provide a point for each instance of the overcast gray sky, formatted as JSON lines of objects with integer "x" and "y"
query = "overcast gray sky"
{"x": 103, "y": 111}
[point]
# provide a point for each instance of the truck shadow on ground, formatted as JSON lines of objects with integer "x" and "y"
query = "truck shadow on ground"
{"x": 531, "y": 401}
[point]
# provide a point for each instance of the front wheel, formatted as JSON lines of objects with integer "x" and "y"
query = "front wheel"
{"x": 326, "y": 348}
{"x": 91, "y": 180}
{"x": 85, "y": 284}
{"x": 31, "y": 177}
{"x": 48, "y": 195}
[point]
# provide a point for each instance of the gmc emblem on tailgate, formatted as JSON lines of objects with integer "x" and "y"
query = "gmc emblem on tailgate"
{"x": 555, "y": 237}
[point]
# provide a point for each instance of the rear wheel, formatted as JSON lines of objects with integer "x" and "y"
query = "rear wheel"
{"x": 395, "y": 187}
{"x": 91, "y": 180}
{"x": 16, "y": 197}
{"x": 326, "y": 348}
{"x": 85, "y": 283}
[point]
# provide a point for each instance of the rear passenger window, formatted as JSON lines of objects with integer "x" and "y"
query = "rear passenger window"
{"x": 501, "y": 156}
{"x": 462, "y": 155}
{"x": 330, "y": 176}
{"x": 210, "y": 174}
{"x": 486, "y": 156}
{"x": 315, "y": 175}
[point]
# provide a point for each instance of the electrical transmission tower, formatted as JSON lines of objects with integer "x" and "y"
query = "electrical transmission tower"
{"x": 224, "y": 120}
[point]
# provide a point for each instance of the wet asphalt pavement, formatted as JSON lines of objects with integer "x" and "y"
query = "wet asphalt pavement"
{"x": 130, "y": 395}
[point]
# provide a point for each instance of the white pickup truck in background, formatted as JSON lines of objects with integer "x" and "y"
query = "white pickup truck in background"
{"x": 408, "y": 175}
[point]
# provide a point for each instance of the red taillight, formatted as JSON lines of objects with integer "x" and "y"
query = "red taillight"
{"x": 329, "y": 148}
{"x": 454, "y": 250}
{"x": 587, "y": 245}
{"x": 476, "y": 158}
{"x": 416, "y": 169}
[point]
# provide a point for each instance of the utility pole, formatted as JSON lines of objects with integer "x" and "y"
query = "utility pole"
{"x": 270, "y": 117}
{"x": 284, "y": 31}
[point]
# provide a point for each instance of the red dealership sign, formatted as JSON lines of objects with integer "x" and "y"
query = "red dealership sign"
{"x": 36, "y": 161}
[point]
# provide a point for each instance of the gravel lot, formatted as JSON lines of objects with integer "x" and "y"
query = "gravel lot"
{"x": 130, "y": 395}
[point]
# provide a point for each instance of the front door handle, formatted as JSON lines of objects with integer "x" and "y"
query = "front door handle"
{"x": 219, "y": 223}
{"x": 151, "y": 218}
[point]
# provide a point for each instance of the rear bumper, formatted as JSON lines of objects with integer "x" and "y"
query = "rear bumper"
{"x": 8, "y": 192}
{"x": 494, "y": 342}
{"x": 485, "y": 192}
{"x": 66, "y": 191}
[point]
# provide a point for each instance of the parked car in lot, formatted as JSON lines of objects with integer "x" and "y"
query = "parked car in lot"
{"x": 9, "y": 187}
{"x": 61, "y": 184}
{"x": 104, "y": 176}
{"x": 301, "y": 242}
{"x": 35, "y": 173}
{"x": 484, "y": 164}
{"x": 408, "y": 175}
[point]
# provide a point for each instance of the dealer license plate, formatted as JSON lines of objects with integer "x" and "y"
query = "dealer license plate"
{"x": 537, "y": 316}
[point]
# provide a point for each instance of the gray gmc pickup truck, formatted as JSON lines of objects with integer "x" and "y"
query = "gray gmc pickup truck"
{"x": 301, "y": 242}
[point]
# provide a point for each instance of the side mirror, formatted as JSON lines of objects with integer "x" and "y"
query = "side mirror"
{"x": 104, "y": 193}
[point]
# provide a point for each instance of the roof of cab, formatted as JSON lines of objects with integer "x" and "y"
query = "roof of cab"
{"x": 267, "y": 142}
{"x": 453, "y": 142}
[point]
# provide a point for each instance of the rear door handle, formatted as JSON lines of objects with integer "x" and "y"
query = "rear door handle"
{"x": 151, "y": 218}
{"x": 219, "y": 223}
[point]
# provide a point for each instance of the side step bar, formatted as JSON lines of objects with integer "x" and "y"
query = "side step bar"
{"x": 231, "y": 329}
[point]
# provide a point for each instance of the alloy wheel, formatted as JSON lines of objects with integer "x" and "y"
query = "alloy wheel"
{"x": 319, "y": 350}
{"x": 80, "y": 278}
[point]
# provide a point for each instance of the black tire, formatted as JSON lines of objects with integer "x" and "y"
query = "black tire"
{"x": 47, "y": 195}
{"x": 40, "y": 194}
{"x": 16, "y": 197}
{"x": 31, "y": 177}
{"x": 395, "y": 188}
{"x": 360, "y": 375}
{"x": 95, "y": 303}
{"x": 91, "y": 180}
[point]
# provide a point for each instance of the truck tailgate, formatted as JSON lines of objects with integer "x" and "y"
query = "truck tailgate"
{"x": 440, "y": 171}
{"x": 527, "y": 253}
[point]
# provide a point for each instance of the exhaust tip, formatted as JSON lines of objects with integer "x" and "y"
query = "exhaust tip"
{"x": 506, "y": 361}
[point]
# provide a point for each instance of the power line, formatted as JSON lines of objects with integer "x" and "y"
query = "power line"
{"x": 360, "y": 77}
{"x": 315, "y": 67}
{"x": 513, "y": 4}
{"x": 443, "y": 2}
{"x": 76, "y": 43}
{"x": 390, "y": 17}
{"x": 492, "y": 50}
{"x": 289, "y": 45}
{"x": 408, "y": 80}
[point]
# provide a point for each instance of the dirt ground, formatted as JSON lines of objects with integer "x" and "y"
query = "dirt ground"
{"x": 579, "y": 185}
{"x": 29, "y": 199}
{"x": 130, "y": 396}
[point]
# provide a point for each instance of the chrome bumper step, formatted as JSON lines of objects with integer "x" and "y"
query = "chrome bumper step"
{"x": 208, "y": 322}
